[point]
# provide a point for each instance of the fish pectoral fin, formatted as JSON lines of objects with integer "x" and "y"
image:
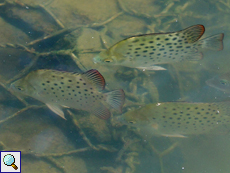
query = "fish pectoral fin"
{"x": 174, "y": 135}
{"x": 152, "y": 68}
{"x": 56, "y": 109}
{"x": 101, "y": 111}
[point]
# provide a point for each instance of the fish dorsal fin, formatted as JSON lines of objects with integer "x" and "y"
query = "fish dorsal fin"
{"x": 192, "y": 33}
{"x": 96, "y": 78}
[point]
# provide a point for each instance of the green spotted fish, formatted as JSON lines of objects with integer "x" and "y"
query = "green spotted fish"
{"x": 177, "y": 119}
{"x": 221, "y": 82}
{"x": 59, "y": 89}
{"x": 147, "y": 51}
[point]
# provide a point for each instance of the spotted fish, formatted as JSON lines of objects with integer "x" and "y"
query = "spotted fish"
{"x": 221, "y": 82}
{"x": 59, "y": 89}
{"x": 147, "y": 51}
{"x": 178, "y": 119}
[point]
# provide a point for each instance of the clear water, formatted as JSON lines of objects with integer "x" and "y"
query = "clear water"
{"x": 50, "y": 144}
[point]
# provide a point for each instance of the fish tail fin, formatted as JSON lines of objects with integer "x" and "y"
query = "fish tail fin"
{"x": 214, "y": 42}
{"x": 116, "y": 99}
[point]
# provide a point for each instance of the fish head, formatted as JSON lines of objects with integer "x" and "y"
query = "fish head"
{"x": 105, "y": 58}
{"x": 220, "y": 83}
{"x": 23, "y": 87}
{"x": 127, "y": 120}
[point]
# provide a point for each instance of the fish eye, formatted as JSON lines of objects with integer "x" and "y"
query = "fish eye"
{"x": 223, "y": 82}
{"x": 19, "y": 88}
{"x": 131, "y": 122}
{"x": 108, "y": 60}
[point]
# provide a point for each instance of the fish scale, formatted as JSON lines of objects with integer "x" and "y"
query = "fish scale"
{"x": 177, "y": 119}
{"x": 65, "y": 89}
{"x": 145, "y": 51}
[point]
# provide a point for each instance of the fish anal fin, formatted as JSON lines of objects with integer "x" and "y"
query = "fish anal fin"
{"x": 56, "y": 109}
{"x": 214, "y": 42}
{"x": 116, "y": 99}
{"x": 195, "y": 56}
{"x": 192, "y": 33}
{"x": 155, "y": 68}
{"x": 174, "y": 135}
{"x": 96, "y": 78}
{"x": 101, "y": 112}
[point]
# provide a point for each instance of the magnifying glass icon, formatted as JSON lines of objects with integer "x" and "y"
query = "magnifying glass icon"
{"x": 9, "y": 160}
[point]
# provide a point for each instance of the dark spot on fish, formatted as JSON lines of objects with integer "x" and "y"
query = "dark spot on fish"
{"x": 138, "y": 55}
{"x": 53, "y": 92}
{"x": 166, "y": 39}
{"x": 171, "y": 50}
{"x": 174, "y": 38}
{"x": 62, "y": 91}
{"x": 179, "y": 40}
{"x": 79, "y": 92}
{"x": 174, "y": 113}
{"x": 187, "y": 122}
{"x": 135, "y": 40}
{"x": 142, "y": 44}
{"x": 150, "y": 41}
{"x": 196, "y": 107}
{"x": 47, "y": 81}
{"x": 77, "y": 86}
{"x": 168, "y": 43}
{"x": 86, "y": 90}
{"x": 152, "y": 47}
{"x": 138, "y": 48}
{"x": 154, "y": 118}
{"x": 187, "y": 114}
{"x": 69, "y": 93}
{"x": 130, "y": 45}
{"x": 158, "y": 44}
{"x": 52, "y": 88}
{"x": 68, "y": 86}
{"x": 144, "y": 51}
{"x": 196, "y": 118}
{"x": 43, "y": 84}
{"x": 80, "y": 79}
{"x": 198, "y": 113}
{"x": 179, "y": 46}
{"x": 62, "y": 77}
{"x": 135, "y": 52}
{"x": 178, "y": 118}
{"x": 44, "y": 88}
{"x": 161, "y": 49}
{"x": 170, "y": 118}
{"x": 62, "y": 82}
{"x": 158, "y": 54}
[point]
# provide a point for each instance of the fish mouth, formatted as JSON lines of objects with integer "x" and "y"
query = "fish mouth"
{"x": 96, "y": 59}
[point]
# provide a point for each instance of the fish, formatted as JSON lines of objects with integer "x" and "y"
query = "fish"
{"x": 60, "y": 89}
{"x": 147, "y": 51}
{"x": 221, "y": 82}
{"x": 177, "y": 119}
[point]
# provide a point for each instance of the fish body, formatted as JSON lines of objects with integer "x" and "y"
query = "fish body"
{"x": 178, "y": 119}
{"x": 59, "y": 89}
{"x": 149, "y": 50}
{"x": 221, "y": 82}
